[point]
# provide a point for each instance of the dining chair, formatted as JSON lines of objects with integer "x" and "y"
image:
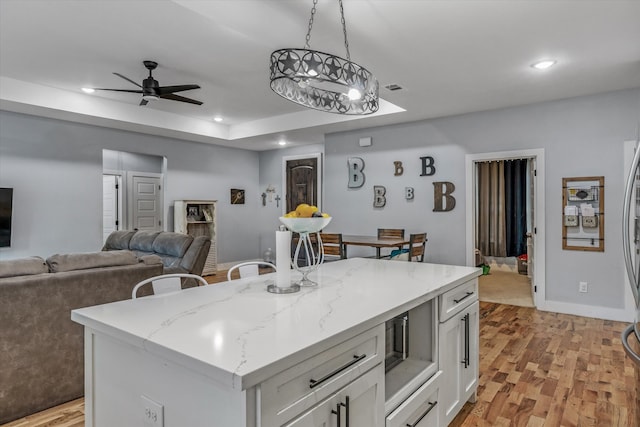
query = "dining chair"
{"x": 332, "y": 246}
{"x": 166, "y": 283}
{"x": 249, "y": 268}
{"x": 417, "y": 243}
{"x": 389, "y": 233}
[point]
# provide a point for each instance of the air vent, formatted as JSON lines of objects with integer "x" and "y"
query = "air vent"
{"x": 393, "y": 87}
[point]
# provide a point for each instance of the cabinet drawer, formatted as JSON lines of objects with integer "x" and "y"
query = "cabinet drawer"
{"x": 453, "y": 301}
{"x": 420, "y": 409}
{"x": 298, "y": 388}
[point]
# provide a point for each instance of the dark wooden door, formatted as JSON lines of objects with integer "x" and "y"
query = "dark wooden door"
{"x": 302, "y": 182}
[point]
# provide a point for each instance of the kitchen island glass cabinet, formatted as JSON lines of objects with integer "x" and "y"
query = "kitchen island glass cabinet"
{"x": 234, "y": 355}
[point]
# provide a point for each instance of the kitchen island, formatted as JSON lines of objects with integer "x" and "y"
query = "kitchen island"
{"x": 234, "y": 355}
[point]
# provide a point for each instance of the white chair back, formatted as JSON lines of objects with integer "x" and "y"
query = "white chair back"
{"x": 249, "y": 268}
{"x": 166, "y": 283}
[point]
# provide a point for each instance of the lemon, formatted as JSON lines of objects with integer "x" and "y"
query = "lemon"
{"x": 326, "y": 215}
{"x": 300, "y": 209}
{"x": 306, "y": 211}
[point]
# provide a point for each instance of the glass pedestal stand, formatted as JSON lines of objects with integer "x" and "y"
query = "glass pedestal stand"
{"x": 314, "y": 257}
{"x": 305, "y": 227}
{"x": 279, "y": 290}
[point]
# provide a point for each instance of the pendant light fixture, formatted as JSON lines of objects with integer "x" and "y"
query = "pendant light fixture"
{"x": 323, "y": 81}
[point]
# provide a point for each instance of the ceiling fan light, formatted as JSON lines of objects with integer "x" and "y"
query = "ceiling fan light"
{"x": 150, "y": 97}
{"x": 88, "y": 90}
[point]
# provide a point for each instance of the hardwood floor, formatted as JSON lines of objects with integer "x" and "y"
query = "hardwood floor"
{"x": 536, "y": 369}
{"x": 70, "y": 414}
{"x": 547, "y": 369}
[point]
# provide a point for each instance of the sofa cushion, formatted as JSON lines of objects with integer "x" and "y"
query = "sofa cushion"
{"x": 23, "y": 267}
{"x": 143, "y": 241}
{"x": 150, "y": 259}
{"x": 84, "y": 261}
{"x": 118, "y": 240}
{"x": 174, "y": 244}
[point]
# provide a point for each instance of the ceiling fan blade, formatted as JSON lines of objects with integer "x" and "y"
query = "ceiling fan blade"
{"x": 171, "y": 89}
{"x": 144, "y": 102}
{"x": 180, "y": 98}
{"x": 119, "y": 90}
{"x": 127, "y": 79}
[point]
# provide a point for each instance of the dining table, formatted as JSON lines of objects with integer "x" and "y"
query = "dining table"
{"x": 373, "y": 241}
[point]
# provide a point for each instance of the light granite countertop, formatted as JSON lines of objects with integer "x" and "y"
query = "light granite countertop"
{"x": 239, "y": 334}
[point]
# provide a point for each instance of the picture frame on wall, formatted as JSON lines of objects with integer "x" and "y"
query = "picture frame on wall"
{"x": 192, "y": 213}
{"x": 237, "y": 196}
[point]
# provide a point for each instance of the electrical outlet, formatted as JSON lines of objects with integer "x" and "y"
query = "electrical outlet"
{"x": 583, "y": 287}
{"x": 153, "y": 413}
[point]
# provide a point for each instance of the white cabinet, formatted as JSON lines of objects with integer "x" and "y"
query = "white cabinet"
{"x": 198, "y": 218}
{"x": 359, "y": 404}
{"x": 299, "y": 388}
{"x": 421, "y": 408}
{"x": 458, "y": 356}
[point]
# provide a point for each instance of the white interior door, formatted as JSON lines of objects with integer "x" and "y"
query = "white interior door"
{"x": 110, "y": 204}
{"x": 145, "y": 205}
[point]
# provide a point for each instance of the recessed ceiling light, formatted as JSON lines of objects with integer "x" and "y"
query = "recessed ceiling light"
{"x": 88, "y": 90}
{"x": 217, "y": 119}
{"x": 543, "y": 65}
{"x": 282, "y": 142}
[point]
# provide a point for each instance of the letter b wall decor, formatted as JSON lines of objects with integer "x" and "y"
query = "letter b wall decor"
{"x": 443, "y": 201}
{"x": 356, "y": 176}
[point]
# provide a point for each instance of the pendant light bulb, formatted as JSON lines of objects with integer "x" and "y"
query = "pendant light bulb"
{"x": 354, "y": 94}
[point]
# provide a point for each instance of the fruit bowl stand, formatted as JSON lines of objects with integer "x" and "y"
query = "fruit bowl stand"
{"x": 314, "y": 257}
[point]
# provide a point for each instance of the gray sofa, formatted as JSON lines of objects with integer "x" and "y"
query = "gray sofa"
{"x": 41, "y": 349}
{"x": 180, "y": 253}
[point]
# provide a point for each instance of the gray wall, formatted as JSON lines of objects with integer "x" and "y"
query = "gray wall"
{"x": 581, "y": 137}
{"x": 55, "y": 168}
{"x": 122, "y": 161}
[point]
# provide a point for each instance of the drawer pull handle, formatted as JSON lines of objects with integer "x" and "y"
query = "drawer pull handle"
{"x": 467, "y": 358}
{"x": 314, "y": 383}
{"x": 431, "y": 406}
{"x": 463, "y": 298}
{"x": 337, "y": 412}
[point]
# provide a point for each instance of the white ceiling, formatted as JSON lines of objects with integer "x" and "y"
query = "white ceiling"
{"x": 449, "y": 56}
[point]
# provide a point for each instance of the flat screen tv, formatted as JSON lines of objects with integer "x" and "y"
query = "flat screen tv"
{"x": 6, "y": 206}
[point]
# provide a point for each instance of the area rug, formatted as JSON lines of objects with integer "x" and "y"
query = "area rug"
{"x": 505, "y": 287}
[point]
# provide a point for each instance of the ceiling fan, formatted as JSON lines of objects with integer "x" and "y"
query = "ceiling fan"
{"x": 151, "y": 90}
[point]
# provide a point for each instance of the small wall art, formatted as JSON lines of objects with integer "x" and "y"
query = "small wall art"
{"x": 237, "y": 196}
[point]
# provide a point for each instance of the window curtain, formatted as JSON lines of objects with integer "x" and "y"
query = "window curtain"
{"x": 515, "y": 186}
{"x": 492, "y": 227}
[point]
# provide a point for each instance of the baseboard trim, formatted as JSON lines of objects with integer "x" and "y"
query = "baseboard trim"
{"x": 606, "y": 313}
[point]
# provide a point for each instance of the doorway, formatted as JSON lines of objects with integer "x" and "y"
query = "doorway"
{"x": 515, "y": 276}
{"x": 302, "y": 181}
{"x": 133, "y": 191}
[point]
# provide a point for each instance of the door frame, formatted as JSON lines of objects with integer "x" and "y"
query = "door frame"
{"x": 319, "y": 173}
{"x": 129, "y": 198}
{"x": 538, "y": 280}
{"x": 119, "y": 210}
